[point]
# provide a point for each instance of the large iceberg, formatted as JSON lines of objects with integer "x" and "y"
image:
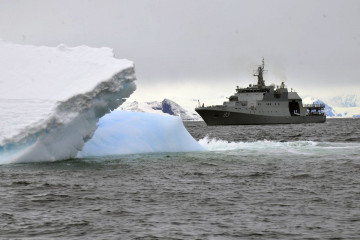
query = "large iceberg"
{"x": 52, "y": 98}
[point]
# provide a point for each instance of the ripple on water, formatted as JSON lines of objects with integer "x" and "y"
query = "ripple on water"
{"x": 265, "y": 190}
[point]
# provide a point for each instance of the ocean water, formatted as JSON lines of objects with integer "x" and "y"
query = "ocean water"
{"x": 255, "y": 182}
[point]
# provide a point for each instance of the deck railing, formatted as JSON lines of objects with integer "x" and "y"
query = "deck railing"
{"x": 319, "y": 105}
{"x": 211, "y": 106}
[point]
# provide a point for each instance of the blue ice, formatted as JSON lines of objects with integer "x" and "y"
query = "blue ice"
{"x": 124, "y": 132}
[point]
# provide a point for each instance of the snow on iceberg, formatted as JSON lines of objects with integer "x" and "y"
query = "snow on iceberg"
{"x": 52, "y": 98}
{"x": 124, "y": 132}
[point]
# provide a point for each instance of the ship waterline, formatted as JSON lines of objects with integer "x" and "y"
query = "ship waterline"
{"x": 221, "y": 117}
{"x": 261, "y": 104}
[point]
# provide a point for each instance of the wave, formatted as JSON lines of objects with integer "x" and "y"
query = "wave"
{"x": 276, "y": 147}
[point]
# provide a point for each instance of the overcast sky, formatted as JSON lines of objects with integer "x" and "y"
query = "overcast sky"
{"x": 202, "y": 49}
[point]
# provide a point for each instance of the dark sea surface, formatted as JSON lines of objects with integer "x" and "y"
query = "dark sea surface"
{"x": 255, "y": 182}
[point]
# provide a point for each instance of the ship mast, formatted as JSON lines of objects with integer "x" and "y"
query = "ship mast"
{"x": 259, "y": 74}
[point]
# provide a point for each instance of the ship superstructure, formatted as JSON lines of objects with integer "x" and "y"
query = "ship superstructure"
{"x": 261, "y": 104}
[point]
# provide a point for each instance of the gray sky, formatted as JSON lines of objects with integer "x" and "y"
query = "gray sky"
{"x": 202, "y": 49}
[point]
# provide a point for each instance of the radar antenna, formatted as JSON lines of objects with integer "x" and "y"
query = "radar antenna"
{"x": 259, "y": 73}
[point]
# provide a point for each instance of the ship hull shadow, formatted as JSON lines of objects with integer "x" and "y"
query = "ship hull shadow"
{"x": 218, "y": 117}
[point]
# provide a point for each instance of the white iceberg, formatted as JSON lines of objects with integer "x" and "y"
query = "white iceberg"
{"x": 166, "y": 106}
{"x": 52, "y": 97}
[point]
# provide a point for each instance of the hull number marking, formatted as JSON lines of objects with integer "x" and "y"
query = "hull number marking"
{"x": 226, "y": 114}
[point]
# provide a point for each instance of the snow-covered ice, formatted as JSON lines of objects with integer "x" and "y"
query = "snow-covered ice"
{"x": 52, "y": 97}
{"x": 166, "y": 106}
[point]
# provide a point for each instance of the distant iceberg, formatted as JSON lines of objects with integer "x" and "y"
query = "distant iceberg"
{"x": 166, "y": 106}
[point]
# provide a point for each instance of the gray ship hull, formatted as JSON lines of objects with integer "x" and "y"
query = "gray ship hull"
{"x": 218, "y": 117}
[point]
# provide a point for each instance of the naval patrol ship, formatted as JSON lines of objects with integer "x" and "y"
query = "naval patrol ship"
{"x": 261, "y": 104}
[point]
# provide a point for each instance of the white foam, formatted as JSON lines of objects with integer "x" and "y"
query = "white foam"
{"x": 124, "y": 132}
{"x": 276, "y": 147}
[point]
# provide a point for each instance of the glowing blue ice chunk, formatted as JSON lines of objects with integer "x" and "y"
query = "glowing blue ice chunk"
{"x": 123, "y": 132}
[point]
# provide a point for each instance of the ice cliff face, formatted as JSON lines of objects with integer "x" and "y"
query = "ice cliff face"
{"x": 52, "y": 98}
{"x": 164, "y": 107}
